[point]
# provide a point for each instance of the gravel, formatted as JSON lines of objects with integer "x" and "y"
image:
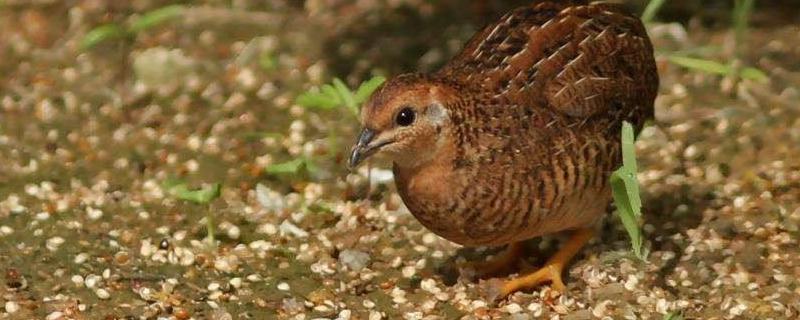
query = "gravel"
{"x": 87, "y": 139}
{"x": 354, "y": 260}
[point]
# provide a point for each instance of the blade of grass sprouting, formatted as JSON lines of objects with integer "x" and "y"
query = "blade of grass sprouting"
{"x": 629, "y": 220}
{"x": 714, "y": 67}
{"x": 629, "y": 164}
{"x": 101, "y": 34}
{"x": 156, "y": 17}
{"x": 344, "y": 93}
{"x": 289, "y": 167}
{"x": 316, "y": 100}
{"x": 700, "y": 51}
{"x": 330, "y": 93}
{"x": 741, "y": 17}
{"x": 181, "y": 190}
{"x": 256, "y": 135}
{"x": 674, "y": 315}
{"x": 651, "y": 10}
{"x": 625, "y": 190}
{"x": 701, "y": 64}
{"x": 335, "y": 94}
{"x": 754, "y": 74}
{"x": 367, "y": 88}
{"x": 267, "y": 61}
{"x": 628, "y": 150}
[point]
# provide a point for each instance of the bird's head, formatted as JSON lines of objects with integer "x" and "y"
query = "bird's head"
{"x": 404, "y": 120}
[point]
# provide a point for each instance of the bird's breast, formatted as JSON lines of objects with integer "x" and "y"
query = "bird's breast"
{"x": 432, "y": 194}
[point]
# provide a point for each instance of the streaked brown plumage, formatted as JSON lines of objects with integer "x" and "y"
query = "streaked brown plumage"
{"x": 517, "y": 135}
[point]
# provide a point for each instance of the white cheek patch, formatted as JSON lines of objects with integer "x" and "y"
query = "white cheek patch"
{"x": 437, "y": 114}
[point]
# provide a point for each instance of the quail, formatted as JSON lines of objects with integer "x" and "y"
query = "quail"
{"x": 516, "y": 136}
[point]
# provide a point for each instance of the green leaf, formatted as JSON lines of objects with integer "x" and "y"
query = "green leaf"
{"x": 337, "y": 94}
{"x": 625, "y": 190}
{"x": 741, "y": 16}
{"x": 701, "y": 64}
{"x": 754, "y": 74}
{"x": 101, "y": 34}
{"x": 344, "y": 93}
{"x": 293, "y": 167}
{"x": 156, "y": 17}
{"x": 367, "y": 88}
{"x": 651, "y": 10}
{"x": 267, "y": 61}
{"x": 626, "y": 215}
{"x": 628, "y": 149}
{"x": 675, "y": 315}
{"x": 180, "y": 190}
{"x": 314, "y": 99}
{"x": 714, "y": 67}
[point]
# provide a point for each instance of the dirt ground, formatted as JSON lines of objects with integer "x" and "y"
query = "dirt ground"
{"x": 88, "y": 136}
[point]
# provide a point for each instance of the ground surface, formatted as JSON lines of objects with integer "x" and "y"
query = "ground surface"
{"x": 88, "y": 137}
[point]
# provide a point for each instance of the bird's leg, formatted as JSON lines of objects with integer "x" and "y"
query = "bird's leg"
{"x": 550, "y": 272}
{"x": 496, "y": 264}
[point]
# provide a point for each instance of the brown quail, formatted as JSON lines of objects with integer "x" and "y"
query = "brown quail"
{"x": 517, "y": 135}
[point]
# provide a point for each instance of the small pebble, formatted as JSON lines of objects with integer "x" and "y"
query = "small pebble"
{"x": 164, "y": 244}
{"x": 283, "y": 286}
{"x": 513, "y": 308}
{"x": 102, "y": 293}
{"x": 56, "y": 315}
{"x": 353, "y": 259}
{"x": 53, "y": 243}
{"x": 81, "y": 258}
{"x": 233, "y": 232}
{"x": 6, "y": 230}
{"x": 236, "y": 282}
{"x": 93, "y": 213}
{"x": 91, "y": 281}
{"x": 11, "y": 307}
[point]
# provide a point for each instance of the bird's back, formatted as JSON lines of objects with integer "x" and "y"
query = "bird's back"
{"x": 579, "y": 60}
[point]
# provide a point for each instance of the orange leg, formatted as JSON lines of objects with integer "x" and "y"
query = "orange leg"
{"x": 506, "y": 259}
{"x": 550, "y": 272}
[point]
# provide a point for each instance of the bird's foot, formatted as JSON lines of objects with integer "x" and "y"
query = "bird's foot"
{"x": 495, "y": 289}
{"x": 504, "y": 261}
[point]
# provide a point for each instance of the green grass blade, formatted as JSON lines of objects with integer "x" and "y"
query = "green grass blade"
{"x": 344, "y": 93}
{"x": 181, "y": 190}
{"x": 332, "y": 94}
{"x": 628, "y": 149}
{"x": 704, "y": 65}
{"x": 268, "y": 61}
{"x": 715, "y": 67}
{"x": 156, "y": 17}
{"x": 628, "y": 176}
{"x": 741, "y": 17}
{"x": 367, "y": 88}
{"x": 625, "y": 190}
{"x": 291, "y": 167}
{"x": 625, "y": 213}
{"x": 754, "y": 74}
{"x": 651, "y": 10}
{"x": 102, "y": 34}
{"x": 675, "y": 315}
{"x": 338, "y": 94}
{"x": 317, "y": 100}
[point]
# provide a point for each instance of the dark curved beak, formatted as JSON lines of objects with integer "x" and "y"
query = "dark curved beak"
{"x": 362, "y": 149}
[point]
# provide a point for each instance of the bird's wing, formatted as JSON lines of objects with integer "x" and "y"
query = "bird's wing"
{"x": 577, "y": 60}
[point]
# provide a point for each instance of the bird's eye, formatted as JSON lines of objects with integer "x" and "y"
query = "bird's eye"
{"x": 405, "y": 117}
